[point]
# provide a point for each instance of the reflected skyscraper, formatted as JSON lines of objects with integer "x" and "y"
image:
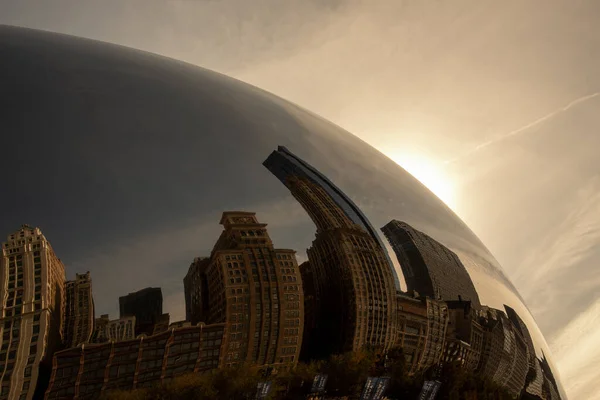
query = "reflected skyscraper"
{"x": 283, "y": 163}
{"x": 79, "y": 310}
{"x": 252, "y": 287}
{"x": 352, "y": 278}
{"x": 196, "y": 290}
{"x": 504, "y": 355}
{"x": 32, "y": 296}
{"x": 429, "y": 267}
{"x": 146, "y": 306}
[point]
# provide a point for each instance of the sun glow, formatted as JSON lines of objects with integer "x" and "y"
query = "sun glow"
{"x": 430, "y": 174}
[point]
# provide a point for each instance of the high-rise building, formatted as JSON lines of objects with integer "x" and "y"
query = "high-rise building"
{"x": 354, "y": 292}
{"x": 79, "y": 310}
{"x": 256, "y": 290}
{"x": 32, "y": 281}
{"x": 437, "y": 315}
{"x": 145, "y": 305}
{"x": 429, "y": 267}
{"x": 89, "y": 371}
{"x": 504, "y": 356}
{"x": 195, "y": 290}
{"x": 284, "y": 164}
{"x": 353, "y": 278}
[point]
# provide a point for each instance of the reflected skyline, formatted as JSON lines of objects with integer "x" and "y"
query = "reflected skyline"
{"x": 243, "y": 125}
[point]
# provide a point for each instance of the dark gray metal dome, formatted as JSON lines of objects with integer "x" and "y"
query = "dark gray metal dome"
{"x": 126, "y": 160}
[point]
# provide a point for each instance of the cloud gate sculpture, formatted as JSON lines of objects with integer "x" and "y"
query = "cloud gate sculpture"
{"x": 260, "y": 234}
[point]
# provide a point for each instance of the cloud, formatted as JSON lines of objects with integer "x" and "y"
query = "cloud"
{"x": 564, "y": 282}
{"x": 524, "y": 128}
{"x": 577, "y": 352}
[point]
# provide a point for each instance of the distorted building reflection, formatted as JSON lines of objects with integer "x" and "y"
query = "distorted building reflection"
{"x": 465, "y": 335}
{"x": 79, "y": 310}
{"x": 352, "y": 277}
{"x": 90, "y": 370}
{"x": 429, "y": 268}
{"x": 32, "y": 295}
{"x": 145, "y": 305}
{"x": 252, "y": 287}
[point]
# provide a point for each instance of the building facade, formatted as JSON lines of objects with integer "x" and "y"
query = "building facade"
{"x": 255, "y": 289}
{"x": 283, "y": 164}
{"x": 464, "y": 336}
{"x": 162, "y": 324}
{"x": 437, "y": 315}
{"x": 145, "y": 305}
{"x": 429, "y": 267}
{"x": 354, "y": 292}
{"x": 353, "y": 280}
{"x": 195, "y": 290}
{"x": 99, "y": 332}
{"x": 32, "y": 281}
{"x": 504, "y": 352}
{"x": 79, "y": 311}
{"x": 121, "y": 329}
{"x": 412, "y": 330}
{"x": 88, "y": 371}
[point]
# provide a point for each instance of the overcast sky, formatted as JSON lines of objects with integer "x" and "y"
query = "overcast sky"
{"x": 496, "y": 98}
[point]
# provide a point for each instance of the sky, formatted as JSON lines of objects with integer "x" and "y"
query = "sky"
{"x": 493, "y": 105}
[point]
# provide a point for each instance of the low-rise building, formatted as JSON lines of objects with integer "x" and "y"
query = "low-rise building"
{"x": 89, "y": 370}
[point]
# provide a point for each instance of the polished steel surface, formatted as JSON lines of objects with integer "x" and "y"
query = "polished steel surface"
{"x": 126, "y": 161}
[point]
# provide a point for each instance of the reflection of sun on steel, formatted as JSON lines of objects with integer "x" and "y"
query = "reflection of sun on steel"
{"x": 430, "y": 174}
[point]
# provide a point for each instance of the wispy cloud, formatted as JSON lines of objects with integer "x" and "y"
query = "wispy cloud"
{"x": 577, "y": 352}
{"x": 574, "y": 238}
{"x": 563, "y": 283}
{"x": 524, "y": 128}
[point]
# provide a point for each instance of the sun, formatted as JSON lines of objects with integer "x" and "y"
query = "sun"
{"x": 429, "y": 173}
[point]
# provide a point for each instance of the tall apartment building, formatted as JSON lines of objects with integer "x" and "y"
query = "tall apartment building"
{"x": 79, "y": 310}
{"x": 145, "y": 305}
{"x": 437, "y": 315}
{"x": 354, "y": 292}
{"x": 89, "y": 371}
{"x": 283, "y": 164}
{"x": 429, "y": 267}
{"x": 353, "y": 279}
{"x": 254, "y": 289}
{"x": 504, "y": 352}
{"x": 32, "y": 281}
{"x": 195, "y": 290}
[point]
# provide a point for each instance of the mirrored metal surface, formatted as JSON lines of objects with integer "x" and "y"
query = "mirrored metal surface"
{"x": 303, "y": 240}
